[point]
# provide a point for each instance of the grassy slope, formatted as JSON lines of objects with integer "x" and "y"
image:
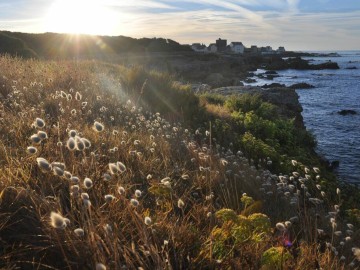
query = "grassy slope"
{"x": 188, "y": 182}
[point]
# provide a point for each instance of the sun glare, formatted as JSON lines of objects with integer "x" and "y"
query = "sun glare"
{"x": 80, "y": 17}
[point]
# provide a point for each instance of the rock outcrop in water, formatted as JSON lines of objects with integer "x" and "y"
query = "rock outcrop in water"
{"x": 297, "y": 63}
{"x": 347, "y": 112}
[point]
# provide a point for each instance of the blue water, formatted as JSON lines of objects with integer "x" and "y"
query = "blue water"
{"x": 338, "y": 136}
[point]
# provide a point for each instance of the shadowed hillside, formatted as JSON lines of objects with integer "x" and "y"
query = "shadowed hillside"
{"x": 62, "y": 46}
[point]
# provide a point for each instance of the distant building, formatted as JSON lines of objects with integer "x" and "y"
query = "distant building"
{"x": 212, "y": 48}
{"x": 266, "y": 50}
{"x": 237, "y": 47}
{"x": 221, "y": 45}
{"x": 197, "y": 47}
{"x": 254, "y": 49}
{"x": 281, "y": 50}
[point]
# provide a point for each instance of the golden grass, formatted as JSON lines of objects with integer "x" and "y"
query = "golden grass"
{"x": 165, "y": 160}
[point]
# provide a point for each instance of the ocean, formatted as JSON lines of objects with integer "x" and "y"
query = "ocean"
{"x": 338, "y": 136}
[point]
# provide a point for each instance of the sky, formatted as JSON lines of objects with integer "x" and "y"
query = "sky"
{"x": 295, "y": 24}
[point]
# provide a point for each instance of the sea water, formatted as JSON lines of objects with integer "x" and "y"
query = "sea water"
{"x": 338, "y": 136}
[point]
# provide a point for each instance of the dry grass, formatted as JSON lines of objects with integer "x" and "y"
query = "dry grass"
{"x": 164, "y": 160}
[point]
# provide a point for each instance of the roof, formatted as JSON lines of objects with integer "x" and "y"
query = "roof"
{"x": 236, "y": 43}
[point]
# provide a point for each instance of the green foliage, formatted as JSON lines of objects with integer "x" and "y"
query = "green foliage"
{"x": 275, "y": 258}
{"x": 215, "y": 99}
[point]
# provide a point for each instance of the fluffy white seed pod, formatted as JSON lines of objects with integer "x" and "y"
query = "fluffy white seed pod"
{"x": 57, "y": 221}
{"x": 114, "y": 168}
{"x": 71, "y": 144}
{"x": 148, "y": 221}
{"x": 134, "y": 202}
{"x": 72, "y": 133}
{"x": 100, "y": 266}
{"x": 85, "y": 196}
{"x": 280, "y": 226}
{"x": 79, "y": 232}
{"x": 86, "y": 142}
{"x": 39, "y": 123}
{"x": 121, "y": 190}
{"x": 68, "y": 175}
{"x": 121, "y": 166}
{"x": 137, "y": 193}
{"x": 106, "y": 177}
{"x": 42, "y": 135}
{"x": 88, "y": 183}
{"x": 98, "y": 127}
{"x": 58, "y": 171}
{"x": 109, "y": 198}
{"x": 43, "y": 164}
{"x": 31, "y": 150}
{"x": 180, "y": 203}
{"x": 35, "y": 138}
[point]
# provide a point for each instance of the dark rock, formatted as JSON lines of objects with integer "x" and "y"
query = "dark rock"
{"x": 271, "y": 72}
{"x": 346, "y": 112}
{"x": 334, "y": 165}
{"x": 302, "y": 86}
{"x": 272, "y": 85}
{"x": 249, "y": 80}
{"x": 351, "y": 68}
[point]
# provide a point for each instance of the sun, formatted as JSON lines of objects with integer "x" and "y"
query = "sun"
{"x": 80, "y": 17}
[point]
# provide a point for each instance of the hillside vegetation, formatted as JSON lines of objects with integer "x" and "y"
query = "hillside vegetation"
{"x": 66, "y": 46}
{"x": 107, "y": 167}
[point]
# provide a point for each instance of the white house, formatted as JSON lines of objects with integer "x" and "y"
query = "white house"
{"x": 212, "y": 48}
{"x": 197, "y": 47}
{"x": 237, "y": 47}
{"x": 281, "y": 49}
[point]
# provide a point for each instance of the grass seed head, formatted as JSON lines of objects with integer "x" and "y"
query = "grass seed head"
{"x": 57, "y": 221}
{"x": 31, "y": 150}
{"x": 98, "y": 127}
{"x": 79, "y": 232}
{"x": 88, "y": 183}
{"x": 43, "y": 164}
{"x": 39, "y": 123}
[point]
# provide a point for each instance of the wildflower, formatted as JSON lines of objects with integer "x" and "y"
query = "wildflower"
{"x": 316, "y": 170}
{"x": 88, "y": 183}
{"x": 180, "y": 203}
{"x": 280, "y": 226}
{"x": 39, "y": 123}
{"x": 57, "y": 221}
{"x": 31, "y": 150}
{"x": 224, "y": 162}
{"x": 98, "y": 127}
{"x": 338, "y": 191}
{"x": 347, "y": 238}
{"x": 79, "y": 232}
{"x": 296, "y": 174}
{"x": 134, "y": 202}
{"x": 350, "y": 226}
{"x": 100, "y": 266}
{"x": 323, "y": 193}
{"x": 149, "y": 176}
{"x": 338, "y": 233}
{"x": 166, "y": 242}
{"x": 35, "y": 138}
{"x": 137, "y": 193}
{"x": 43, "y": 164}
{"x": 71, "y": 144}
{"x": 148, "y": 221}
{"x": 109, "y": 198}
{"x": 294, "y": 162}
{"x": 318, "y": 187}
{"x": 307, "y": 170}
